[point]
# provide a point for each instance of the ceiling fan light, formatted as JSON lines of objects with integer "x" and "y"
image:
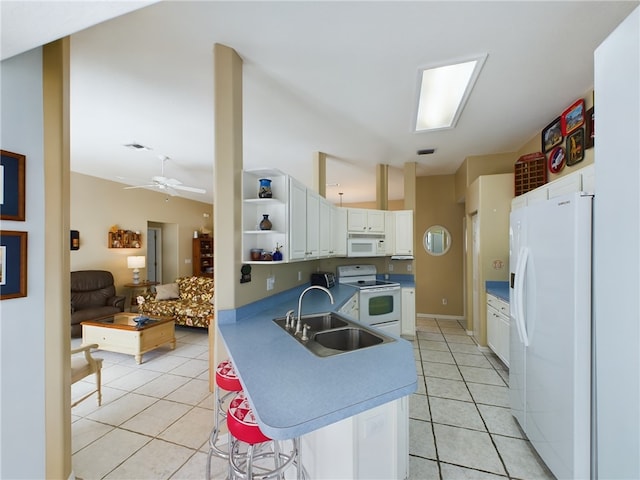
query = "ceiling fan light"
{"x": 443, "y": 93}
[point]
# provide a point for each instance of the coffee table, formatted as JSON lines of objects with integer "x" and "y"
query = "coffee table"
{"x": 119, "y": 333}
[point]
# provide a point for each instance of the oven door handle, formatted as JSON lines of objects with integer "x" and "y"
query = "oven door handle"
{"x": 379, "y": 289}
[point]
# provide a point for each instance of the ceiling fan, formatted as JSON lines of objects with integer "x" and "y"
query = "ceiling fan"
{"x": 167, "y": 185}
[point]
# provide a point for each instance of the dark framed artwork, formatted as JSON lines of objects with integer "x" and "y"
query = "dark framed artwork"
{"x": 575, "y": 147}
{"x": 75, "y": 240}
{"x": 589, "y": 129}
{"x": 556, "y": 159}
{"x": 12, "y": 185}
{"x": 552, "y": 135}
{"x": 573, "y": 117}
{"x": 13, "y": 264}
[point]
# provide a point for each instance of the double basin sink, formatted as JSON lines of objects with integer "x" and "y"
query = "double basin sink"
{"x": 332, "y": 334}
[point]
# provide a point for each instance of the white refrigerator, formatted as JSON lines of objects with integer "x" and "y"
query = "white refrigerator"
{"x": 550, "y": 245}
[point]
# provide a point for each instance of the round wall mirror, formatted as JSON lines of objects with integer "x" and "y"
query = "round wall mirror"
{"x": 437, "y": 240}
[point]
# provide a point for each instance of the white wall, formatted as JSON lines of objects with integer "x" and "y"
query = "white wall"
{"x": 616, "y": 267}
{"x": 22, "y": 348}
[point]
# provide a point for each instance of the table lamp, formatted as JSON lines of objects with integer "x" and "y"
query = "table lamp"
{"x": 136, "y": 262}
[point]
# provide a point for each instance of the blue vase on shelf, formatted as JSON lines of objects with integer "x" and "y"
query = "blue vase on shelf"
{"x": 265, "y": 188}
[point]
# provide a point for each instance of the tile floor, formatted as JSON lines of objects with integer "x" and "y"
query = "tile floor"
{"x": 155, "y": 417}
{"x": 460, "y": 426}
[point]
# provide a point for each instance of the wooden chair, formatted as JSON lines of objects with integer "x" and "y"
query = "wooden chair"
{"x": 83, "y": 366}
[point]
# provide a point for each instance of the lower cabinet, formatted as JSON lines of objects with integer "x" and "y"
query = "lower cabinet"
{"x": 498, "y": 327}
{"x": 408, "y": 324}
{"x": 371, "y": 445}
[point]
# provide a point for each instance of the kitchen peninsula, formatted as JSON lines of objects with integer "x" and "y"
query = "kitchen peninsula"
{"x": 297, "y": 394}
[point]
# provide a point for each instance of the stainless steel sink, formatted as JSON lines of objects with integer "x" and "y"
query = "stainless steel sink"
{"x": 332, "y": 334}
{"x": 318, "y": 321}
{"x": 345, "y": 339}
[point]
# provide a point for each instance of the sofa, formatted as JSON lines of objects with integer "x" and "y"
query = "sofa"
{"x": 189, "y": 300}
{"x": 93, "y": 295}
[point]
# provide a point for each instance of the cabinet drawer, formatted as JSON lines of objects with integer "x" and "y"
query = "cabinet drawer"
{"x": 500, "y": 305}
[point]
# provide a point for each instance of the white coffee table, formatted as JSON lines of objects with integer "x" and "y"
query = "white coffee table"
{"x": 119, "y": 333}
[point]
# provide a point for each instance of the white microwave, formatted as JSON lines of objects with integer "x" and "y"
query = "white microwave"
{"x": 365, "y": 245}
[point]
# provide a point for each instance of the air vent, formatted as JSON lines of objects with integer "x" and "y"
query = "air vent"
{"x": 137, "y": 146}
{"x": 426, "y": 151}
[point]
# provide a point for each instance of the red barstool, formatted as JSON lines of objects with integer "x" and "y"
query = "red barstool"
{"x": 245, "y": 432}
{"x": 226, "y": 380}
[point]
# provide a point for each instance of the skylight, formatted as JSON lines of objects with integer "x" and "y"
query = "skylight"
{"x": 444, "y": 90}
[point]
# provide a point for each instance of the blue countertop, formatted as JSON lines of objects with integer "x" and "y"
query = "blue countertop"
{"x": 294, "y": 392}
{"x": 499, "y": 289}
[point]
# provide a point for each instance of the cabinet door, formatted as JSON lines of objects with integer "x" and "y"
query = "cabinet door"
{"x": 297, "y": 220}
{"x": 375, "y": 221}
{"x": 325, "y": 227}
{"x": 339, "y": 231}
{"x": 390, "y": 233}
{"x": 313, "y": 225}
{"x": 408, "y": 324}
{"x": 357, "y": 220}
{"x": 404, "y": 232}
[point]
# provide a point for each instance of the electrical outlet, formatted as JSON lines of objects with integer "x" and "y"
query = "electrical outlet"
{"x": 299, "y": 276}
{"x": 444, "y": 301}
{"x": 271, "y": 282}
{"x": 409, "y": 267}
{"x": 391, "y": 267}
{"x": 187, "y": 260}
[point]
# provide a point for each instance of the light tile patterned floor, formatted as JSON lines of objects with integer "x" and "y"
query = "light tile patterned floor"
{"x": 155, "y": 417}
{"x": 460, "y": 426}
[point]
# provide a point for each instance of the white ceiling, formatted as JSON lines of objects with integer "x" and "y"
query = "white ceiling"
{"x": 335, "y": 77}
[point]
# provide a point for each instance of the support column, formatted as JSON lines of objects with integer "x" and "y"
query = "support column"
{"x": 320, "y": 173}
{"x": 227, "y": 200}
{"x": 382, "y": 187}
{"x": 55, "y": 84}
{"x": 410, "y": 186}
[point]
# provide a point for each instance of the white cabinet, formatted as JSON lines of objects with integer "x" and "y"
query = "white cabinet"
{"x": 338, "y": 232}
{"x": 372, "y": 444}
{"x": 254, "y": 209}
{"x": 313, "y": 225}
{"x": 408, "y": 324}
{"x": 362, "y": 220}
{"x": 325, "y": 229}
{"x": 403, "y": 244}
{"x": 298, "y": 220}
{"x": 389, "y": 232}
{"x": 498, "y": 327}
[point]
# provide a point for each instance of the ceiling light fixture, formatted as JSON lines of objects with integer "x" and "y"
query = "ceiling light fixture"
{"x": 443, "y": 92}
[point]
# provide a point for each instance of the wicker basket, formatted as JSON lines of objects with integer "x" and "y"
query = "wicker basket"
{"x": 530, "y": 172}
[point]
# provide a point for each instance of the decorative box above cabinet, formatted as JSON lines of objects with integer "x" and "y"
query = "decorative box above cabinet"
{"x": 124, "y": 239}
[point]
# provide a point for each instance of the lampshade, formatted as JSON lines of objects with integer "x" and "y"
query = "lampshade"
{"x": 136, "y": 261}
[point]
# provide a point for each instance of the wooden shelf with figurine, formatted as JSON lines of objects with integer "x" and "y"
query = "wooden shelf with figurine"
{"x": 119, "y": 238}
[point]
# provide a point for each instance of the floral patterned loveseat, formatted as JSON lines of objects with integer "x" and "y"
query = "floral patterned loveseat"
{"x": 189, "y": 300}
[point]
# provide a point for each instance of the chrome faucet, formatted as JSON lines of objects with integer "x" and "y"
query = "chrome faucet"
{"x": 299, "y": 325}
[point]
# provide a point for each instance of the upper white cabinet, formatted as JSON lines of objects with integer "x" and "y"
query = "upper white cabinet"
{"x": 255, "y": 208}
{"x": 403, "y": 244}
{"x": 362, "y": 220}
{"x": 311, "y": 227}
{"x": 298, "y": 216}
{"x": 338, "y": 232}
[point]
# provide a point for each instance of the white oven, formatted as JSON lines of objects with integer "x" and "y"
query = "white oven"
{"x": 379, "y": 300}
{"x": 365, "y": 245}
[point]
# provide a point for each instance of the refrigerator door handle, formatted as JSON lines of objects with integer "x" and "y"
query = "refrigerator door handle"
{"x": 519, "y": 294}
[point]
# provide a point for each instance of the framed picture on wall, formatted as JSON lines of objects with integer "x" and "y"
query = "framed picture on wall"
{"x": 573, "y": 117}
{"x": 12, "y": 186}
{"x": 13, "y": 264}
{"x": 589, "y": 129}
{"x": 552, "y": 135}
{"x": 557, "y": 159}
{"x": 575, "y": 147}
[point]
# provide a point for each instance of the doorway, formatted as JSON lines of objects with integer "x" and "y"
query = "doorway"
{"x": 154, "y": 254}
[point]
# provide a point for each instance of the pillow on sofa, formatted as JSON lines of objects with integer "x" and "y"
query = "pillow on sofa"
{"x": 168, "y": 291}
